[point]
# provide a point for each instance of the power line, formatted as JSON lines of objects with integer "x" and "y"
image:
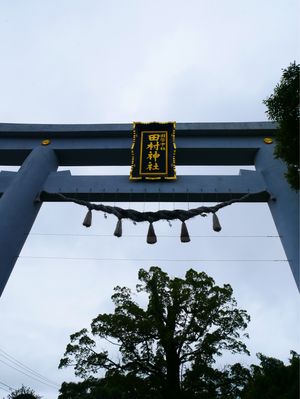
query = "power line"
{"x": 7, "y": 386}
{"x": 163, "y": 235}
{"x": 150, "y": 260}
{"x": 23, "y": 366}
{"x": 28, "y": 375}
{"x": 4, "y": 389}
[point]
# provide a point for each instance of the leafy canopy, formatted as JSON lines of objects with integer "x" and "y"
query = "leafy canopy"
{"x": 273, "y": 379}
{"x": 172, "y": 342}
{"x": 23, "y": 393}
{"x": 283, "y": 107}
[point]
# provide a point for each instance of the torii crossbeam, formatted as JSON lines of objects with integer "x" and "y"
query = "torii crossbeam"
{"x": 40, "y": 149}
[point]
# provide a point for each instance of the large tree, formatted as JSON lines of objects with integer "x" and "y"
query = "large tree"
{"x": 169, "y": 344}
{"x": 113, "y": 386}
{"x": 283, "y": 107}
{"x": 23, "y": 393}
{"x": 272, "y": 379}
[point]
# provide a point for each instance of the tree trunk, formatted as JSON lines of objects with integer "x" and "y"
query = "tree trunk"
{"x": 173, "y": 378}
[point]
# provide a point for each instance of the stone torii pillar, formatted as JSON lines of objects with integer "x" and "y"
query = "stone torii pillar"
{"x": 19, "y": 208}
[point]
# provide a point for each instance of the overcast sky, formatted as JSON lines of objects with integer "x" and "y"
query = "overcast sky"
{"x": 95, "y": 61}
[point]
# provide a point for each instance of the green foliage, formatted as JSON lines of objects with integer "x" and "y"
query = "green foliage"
{"x": 206, "y": 382}
{"x": 283, "y": 107}
{"x": 23, "y": 393}
{"x": 114, "y": 386}
{"x": 169, "y": 345}
{"x": 273, "y": 380}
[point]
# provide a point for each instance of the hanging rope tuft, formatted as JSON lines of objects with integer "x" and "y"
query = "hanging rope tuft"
{"x": 118, "y": 230}
{"x": 184, "y": 236}
{"x": 152, "y": 217}
{"x": 88, "y": 219}
{"x": 216, "y": 224}
{"x": 151, "y": 237}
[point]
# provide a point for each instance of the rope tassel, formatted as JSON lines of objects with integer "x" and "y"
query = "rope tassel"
{"x": 88, "y": 219}
{"x": 118, "y": 230}
{"x": 216, "y": 224}
{"x": 151, "y": 237}
{"x": 184, "y": 236}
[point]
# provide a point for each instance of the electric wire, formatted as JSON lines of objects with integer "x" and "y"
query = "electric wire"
{"x": 28, "y": 375}
{"x": 4, "y": 389}
{"x": 2, "y": 383}
{"x": 163, "y": 235}
{"x": 149, "y": 260}
{"x": 24, "y": 367}
{"x": 7, "y": 386}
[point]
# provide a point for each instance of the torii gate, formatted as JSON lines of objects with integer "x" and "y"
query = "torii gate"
{"x": 41, "y": 148}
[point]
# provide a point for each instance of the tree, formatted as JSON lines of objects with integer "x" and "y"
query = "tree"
{"x": 283, "y": 107}
{"x": 171, "y": 343}
{"x": 213, "y": 383}
{"x": 272, "y": 379}
{"x": 23, "y": 393}
{"x": 114, "y": 386}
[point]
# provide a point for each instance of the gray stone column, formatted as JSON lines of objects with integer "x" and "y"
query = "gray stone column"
{"x": 283, "y": 204}
{"x": 18, "y": 207}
